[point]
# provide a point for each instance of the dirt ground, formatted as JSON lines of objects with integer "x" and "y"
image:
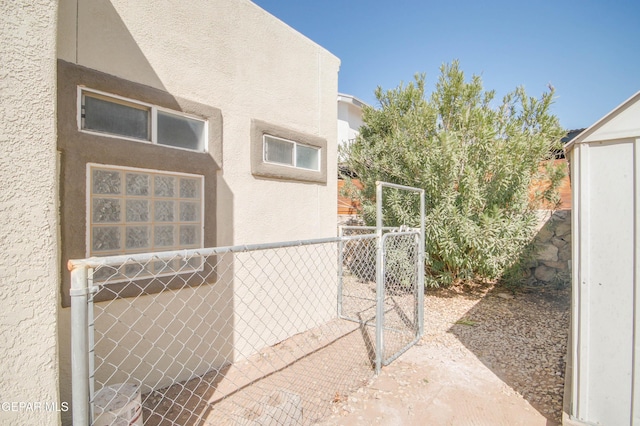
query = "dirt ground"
{"x": 488, "y": 357}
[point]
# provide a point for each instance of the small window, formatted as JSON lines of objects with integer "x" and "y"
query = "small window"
{"x": 180, "y": 131}
{"x": 130, "y": 119}
{"x": 307, "y": 157}
{"x": 101, "y": 114}
{"x": 289, "y": 153}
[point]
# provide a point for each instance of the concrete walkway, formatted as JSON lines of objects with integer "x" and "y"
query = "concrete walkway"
{"x": 422, "y": 388}
{"x": 480, "y": 362}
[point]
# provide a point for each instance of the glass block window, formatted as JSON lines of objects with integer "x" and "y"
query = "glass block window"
{"x": 139, "y": 210}
{"x": 116, "y": 116}
{"x": 290, "y": 153}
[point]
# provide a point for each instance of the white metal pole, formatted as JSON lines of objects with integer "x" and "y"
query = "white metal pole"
{"x": 79, "y": 346}
{"x": 421, "y": 259}
{"x": 340, "y": 271}
{"x": 379, "y": 280}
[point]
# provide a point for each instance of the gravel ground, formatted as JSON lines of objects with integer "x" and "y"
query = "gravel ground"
{"x": 487, "y": 357}
{"x": 522, "y": 338}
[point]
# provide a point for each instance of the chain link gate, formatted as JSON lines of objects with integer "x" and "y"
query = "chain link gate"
{"x": 400, "y": 311}
{"x": 241, "y": 335}
{"x": 394, "y": 266}
{"x": 387, "y": 302}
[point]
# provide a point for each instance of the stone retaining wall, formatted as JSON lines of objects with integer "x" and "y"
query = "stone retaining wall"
{"x": 551, "y": 261}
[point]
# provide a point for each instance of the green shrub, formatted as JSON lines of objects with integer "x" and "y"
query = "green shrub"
{"x": 475, "y": 161}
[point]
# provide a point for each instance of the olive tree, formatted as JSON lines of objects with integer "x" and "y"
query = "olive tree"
{"x": 476, "y": 159}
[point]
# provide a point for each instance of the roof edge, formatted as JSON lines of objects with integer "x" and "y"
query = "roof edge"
{"x": 607, "y": 117}
{"x": 352, "y": 100}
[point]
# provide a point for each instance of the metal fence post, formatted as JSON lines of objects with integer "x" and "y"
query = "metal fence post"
{"x": 421, "y": 260}
{"x": 379, "y": 281}
{"x": 340, "y": 272}
{"x": 79, "y": 345}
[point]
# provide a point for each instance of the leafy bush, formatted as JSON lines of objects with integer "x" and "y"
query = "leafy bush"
{"x": 475, "y": 161}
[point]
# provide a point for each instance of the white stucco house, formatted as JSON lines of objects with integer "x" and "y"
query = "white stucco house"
{"x": 349, "y": 118}
{"x": 603, "y": 375}
{"x": 217, "y": 107}
{"x": 349, "y": 123}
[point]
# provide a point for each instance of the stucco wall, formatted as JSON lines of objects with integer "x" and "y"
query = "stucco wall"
{"x": 28, "y": 176}
{"x": 164, "y": 337}
{"x": 237, "y": 58}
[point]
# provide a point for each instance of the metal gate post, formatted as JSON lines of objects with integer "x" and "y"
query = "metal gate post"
{"x": 79, "y": 345}
{"x": 421, "y": 259}
{"x": 340, "y": 271}
{"x": 379, "y": 280}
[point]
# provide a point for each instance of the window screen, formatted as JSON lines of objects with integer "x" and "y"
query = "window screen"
{"x": 282, "y": 151}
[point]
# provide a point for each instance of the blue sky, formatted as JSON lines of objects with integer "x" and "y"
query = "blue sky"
{"x": 588, "y": 50}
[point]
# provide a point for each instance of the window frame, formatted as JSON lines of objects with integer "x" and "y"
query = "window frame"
{"x": 153, "y": 118}
{"x": 294, "y": 154}
{"x": 76, "y": 149}
{"x": 274, "y": 171}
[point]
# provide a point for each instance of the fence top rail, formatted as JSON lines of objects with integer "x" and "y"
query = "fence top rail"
{"x": 384, "y": 228}
{"x": 92, "y": 262}
{"x": 396, "y": 186}
{"x": 400, "y": 234}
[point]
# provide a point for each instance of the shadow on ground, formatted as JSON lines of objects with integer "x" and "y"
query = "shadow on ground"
{"x": 522, "y": 338}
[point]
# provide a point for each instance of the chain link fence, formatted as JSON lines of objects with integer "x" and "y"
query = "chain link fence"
{"x": 271, "y": 334}
{"x": 252, "y": 335}
{"x": 357, "y": 278}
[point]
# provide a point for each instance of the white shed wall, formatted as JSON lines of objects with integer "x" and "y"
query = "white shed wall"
{"x": 606, "y": 290}
{"x": 349, "y": 118}
{"x": 604, "y": 378}
{"x": 624, "y": 125}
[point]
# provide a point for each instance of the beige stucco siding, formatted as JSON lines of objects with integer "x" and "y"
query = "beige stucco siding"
{"x": 28, "y": 178}
{"x": 236, "y": 58}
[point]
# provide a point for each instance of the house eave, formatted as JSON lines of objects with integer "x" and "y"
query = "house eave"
{"x": 343, "y": 97}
